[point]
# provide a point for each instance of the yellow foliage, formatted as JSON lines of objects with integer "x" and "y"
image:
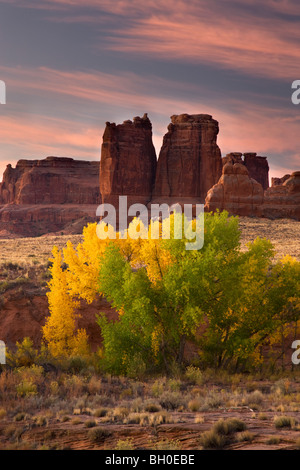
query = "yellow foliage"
{"x": 59, "y": 330}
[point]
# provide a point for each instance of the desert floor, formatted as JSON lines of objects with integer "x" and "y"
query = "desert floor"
{"x": 283, "y": 233}
{"x": 83, "y": 409}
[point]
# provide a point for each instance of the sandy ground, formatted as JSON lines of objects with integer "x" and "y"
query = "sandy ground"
{"x": 283, "y": 233}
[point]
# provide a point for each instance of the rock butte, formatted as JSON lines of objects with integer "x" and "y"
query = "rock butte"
{"x": 48, "y": 196}
{"x": 236, "y": 192}
{"x": 128, "y": 161}
{"x": 190, "y": 160}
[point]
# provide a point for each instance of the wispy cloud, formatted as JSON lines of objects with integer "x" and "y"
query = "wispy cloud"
{"x": 252, "y": 37}
{"x": 245, "y": 125}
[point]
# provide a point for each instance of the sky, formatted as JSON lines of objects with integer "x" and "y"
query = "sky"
{"x": 71, "y": 65}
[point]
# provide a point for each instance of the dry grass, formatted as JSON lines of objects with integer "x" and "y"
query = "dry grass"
{"x": 283, "y": 233}
{"x": 80, "y": 417}
{"x": 33, "y": 250}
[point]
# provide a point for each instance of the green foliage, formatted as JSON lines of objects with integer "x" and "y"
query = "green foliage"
{"x": 228, "y": 302}
{"x": 25, "y": 355}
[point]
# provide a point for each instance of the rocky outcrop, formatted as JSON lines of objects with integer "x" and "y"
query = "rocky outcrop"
{"x": 18, "y": 220}
{"x": 23, "y": 312}
{"x": 257, "y": 166}
{"x": 54, "y": 195}
{"x": 190, "y": 161}
{"x": 279, "y": 181}
{"x": 236, "y": 192}
{"x": 233, "y": 157}
{"x": 283, "y": 200}
{"x": 128, "y": 161}
{"x": 53, "y": 180}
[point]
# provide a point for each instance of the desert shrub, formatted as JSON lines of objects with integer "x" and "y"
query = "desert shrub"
{"x": 229, "y": 426}
{"x": 199, "y": 419}
{"x": 255, "y": 397}
{"x": 13, "y": 283}
{"x": 281, "y": 387}
{"x": 213, "y": 440}
{"x": 41, "y": 420}
{"x": 219, "y": 436}
{"x": 212, "y": 401}
{"x": 273, "y": 441}
{"x": 91, "y": 423}
{"x": 20, "y": 416}
{"x": 161, "y": 417}
{"x": 26, "y": 388}
{"x": 194, "y": 375}
{"x": 77, "y": 364}
{"x": 120, "y": 413}
{"x": 124, "y": 445}
{"x": 194, "y": 405}
{"x": 263, "y": 416}
{"x": 134, "y": 418}
{"x": 171, "y": 400}
{"x": 158, "y": 387}
{"x": 33, "y": 373}
{"x": 94, "y": 385}
{"x": 152, "y": 408}
{"x": 100, "y": 412}
{"x": 10, "y": 430}
{"x": 283, "y": 422}
{"x": 245, "y": 436}
{"x": 174, "y": 385}
{"x": 25, "y": 355}
{"x": 136, "y": 367}
{"x": 74, "y": 385}
{"x": 167, "y": 444}
{"x": 54, "y": 387}
{"x": 98, "y": 434}
{"x": 297, "y": 444}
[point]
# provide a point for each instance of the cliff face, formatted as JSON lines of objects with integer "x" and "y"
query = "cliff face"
{"x": 283, "y": 200}
{"x": 240, "y": 194}
{"x": 190, "y": 161}
{"x": 51, "y": 181}
{"x": 128, "y": 161}
{"x": 48, "y": 196}
{"x": 257, "y": 166}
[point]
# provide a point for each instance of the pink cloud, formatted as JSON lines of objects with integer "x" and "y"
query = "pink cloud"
{"x": 200, "y": 32}
{"x": 244, "y": 125}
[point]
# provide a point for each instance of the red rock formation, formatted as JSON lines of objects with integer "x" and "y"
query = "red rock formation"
{"x": 18, "y": 220}
{"x": 233, "y": 157}
{"x": 128, "y": 162}
{"x": 53, "y": 180}
{"x": 279, "y": 181}
{"x": 190, "y": 162}
{"x": 46, "y": 196}
{"x": 236, "y": 193}
{"x": 23, "y": 313}
{"x": 258, "y": 168}
{"x": 283, "y": 201}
